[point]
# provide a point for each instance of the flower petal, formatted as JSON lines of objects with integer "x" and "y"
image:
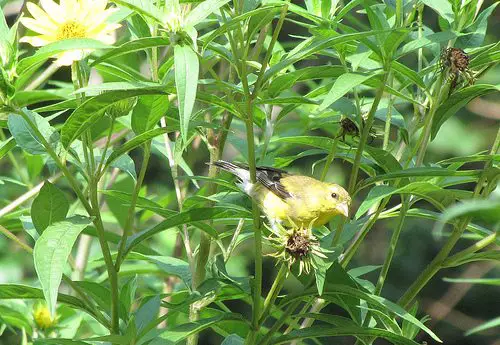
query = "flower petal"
{"x": 36, "y": 41}
{"x": 37, "y": 26}
{"x": 41, "y": 15}
{"x": 67, "y": 58}
{"x": 54, "y": 11}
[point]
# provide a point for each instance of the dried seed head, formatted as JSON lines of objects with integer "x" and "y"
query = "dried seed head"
{"x": 454, "y": 62}
{"x": 296, "y": 244}
{"x": 455, "y": 58}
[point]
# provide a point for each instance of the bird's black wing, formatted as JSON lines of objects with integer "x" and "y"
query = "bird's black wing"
{"x": 270, "y": 178}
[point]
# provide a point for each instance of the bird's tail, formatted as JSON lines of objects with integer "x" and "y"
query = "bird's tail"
{"x": 240, "y": 171}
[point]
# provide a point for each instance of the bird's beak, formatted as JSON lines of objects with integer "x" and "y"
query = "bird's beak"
{"x": 343, "y": 208}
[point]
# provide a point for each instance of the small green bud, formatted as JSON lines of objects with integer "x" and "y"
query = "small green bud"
{"x": 121, "y": 108}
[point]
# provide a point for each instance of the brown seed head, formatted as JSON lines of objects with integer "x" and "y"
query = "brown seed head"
{"x": 298, "y": 245}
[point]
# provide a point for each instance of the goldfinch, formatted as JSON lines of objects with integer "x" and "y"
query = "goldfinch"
{"x": 286, "y": 198}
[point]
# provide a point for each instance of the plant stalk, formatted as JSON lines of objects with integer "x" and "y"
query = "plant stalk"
{"x": 439, "y": 260}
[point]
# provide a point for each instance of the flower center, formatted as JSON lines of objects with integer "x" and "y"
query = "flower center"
{"x": 298, "y": 246}
{"x": 71, "y": 29}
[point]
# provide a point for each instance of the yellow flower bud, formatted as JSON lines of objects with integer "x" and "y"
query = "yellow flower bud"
{"x": 41, "y": 315}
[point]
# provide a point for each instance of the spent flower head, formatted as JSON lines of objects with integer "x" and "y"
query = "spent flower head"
{"x": 296, "y": 244}
{"x": 69, "y": 19}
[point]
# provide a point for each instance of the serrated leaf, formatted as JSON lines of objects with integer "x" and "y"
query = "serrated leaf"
{"x": 94, "y": 109}
{"x": 345, "y": 83}
{"x": 148, "y": 111}
{"x": 51, "y": 254}
{"x": 24, "y": 135}
{"x": 50, "y": 206}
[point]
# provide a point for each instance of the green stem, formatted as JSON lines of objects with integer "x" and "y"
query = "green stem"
{"x": 470, "y": 250}
{"x": 346, "y": 258}
{"x": 269, "y": 50}
{"x": 392, "y": 246}
{"x": 277, "y": 325}
{"x": 329, "y": 158}
{"x": 94, "y": 211}
{"x": 439, "y": 260}
{"x": 257, "y": 291}
{"x": 362, "y": 143}
{"x": 423, "y": 140}
{"x": 14, "y": 238}
{"x": 399, "y": 13}
{"x": 106, "y": 253}
{"x": 387, "y": 129}
{"x": 42, "y": 77}
{"x": 273, "y": 292}
{"x": 129, "y": 222}
{"x": 99, "y": 172}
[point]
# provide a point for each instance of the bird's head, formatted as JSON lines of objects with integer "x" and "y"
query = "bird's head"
{"x": 338, "y": 200}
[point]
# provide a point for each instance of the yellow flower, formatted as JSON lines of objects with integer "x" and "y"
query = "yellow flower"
{"x": 69, "y": 19}
{"x": 41, "y": 315}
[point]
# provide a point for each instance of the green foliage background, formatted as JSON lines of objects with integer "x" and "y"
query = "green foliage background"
{"x": 301, "y": 99}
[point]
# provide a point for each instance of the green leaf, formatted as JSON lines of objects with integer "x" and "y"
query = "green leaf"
{"x": 329, "y": 331}
{"x": 477, "y": 31}
{"x": 148, "y": 111}
{"x": 439, "y": 197}
{"x": 233, "y": 339}
{"x": 14, "y": 291}
{"x": 425, "y": 41}
{"x": 50, "y": 206}
{"x": 57, "y": 47}
{"x": 51, "y": 253}
{"x": 59, "y": 341}
{"x": 202, "y": 11}
{"x": 135, "y": 142}
{"x": 488, "y": 210}
{"x": 345, "y": 83}
{"x": 144, "y": 7}
{"x": 315, "y": 46}
{"x": 133, "y": 46}
{"x": 6, "y": 146}
{"x": 286, "y": 81}
{"x": 442, "y": 7}
{"x": 167, "y": 264}
{"x": 123, "y": 163}
{"x": 25, "y": 98}
{"x": 193, "y": 215}
{"x": 147, "y": 312}
{"x": 417, "y": 172}
{"x": 485, "y": 281}
{"x": 483, "y": 327}
{"x": 186, "y": 82}
{"x": 456, "y": 101}
{"x": 25, "y": 136}
{"x": 181, "y": 332}
{"x": 93, "y": 109}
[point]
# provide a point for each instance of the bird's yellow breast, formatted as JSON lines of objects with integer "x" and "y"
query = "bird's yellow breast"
{"x": 301, "y": 211}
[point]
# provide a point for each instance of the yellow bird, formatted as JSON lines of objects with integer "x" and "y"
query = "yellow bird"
{"x": 282, "y": 196}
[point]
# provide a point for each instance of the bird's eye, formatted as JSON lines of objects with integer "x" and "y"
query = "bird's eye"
{"x": 334, "y": 195}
